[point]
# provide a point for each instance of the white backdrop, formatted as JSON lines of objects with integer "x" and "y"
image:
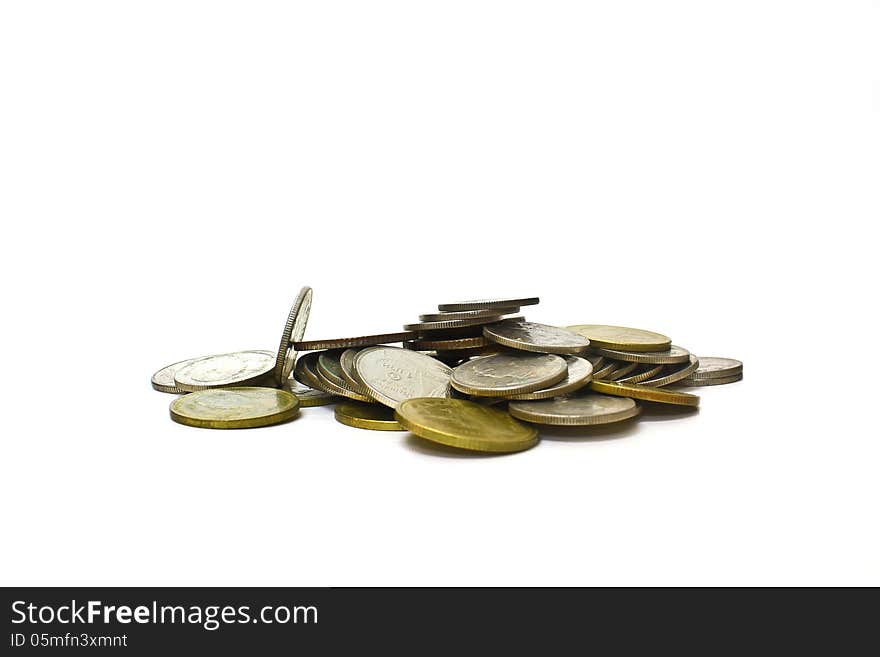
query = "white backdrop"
{"x": 172, "y": 172}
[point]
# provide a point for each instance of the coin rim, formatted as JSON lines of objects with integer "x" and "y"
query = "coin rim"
{"x": 358, "y": 422}
{"x": 677, "y": 375}
{"x": 376, "y": 340}
{"x": 625, "y": 346}
{"x": 283, "y": 364}
{"x": 479, "y": 304}
{"x": 645, "y": 357}
{"x": 242, "y": 423}
{"x": 496, "y": 392}
{"x": 186, "y": 387}
{"x": 543, "y": 349}
{"x": 378, "y": 395}
{"x": 557, "y": 390}
{"x": 574, "y": 420}
{"x": 645, "y": 393}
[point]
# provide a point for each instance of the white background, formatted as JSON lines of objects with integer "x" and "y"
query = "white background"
{"x": 172, "y": 172}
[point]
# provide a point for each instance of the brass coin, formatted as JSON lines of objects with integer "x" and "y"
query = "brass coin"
{"x": 502, "y": 375}
{"x": 480, "y": 304}
{"x": 234, "y": 408}
{"x": 621, "y": 371}
{"x": 676, "y": 375}
{"x": 531, "y": 336}
{"x": 367, "y": 416}
{"x": 649, "y": 372}
{"x": 240, "y": 368}
{"x": 447, "y": 345}
{"x": 580, "y": 373}
{"x": 392, "y": 374}
{"x": 646, "y": 393}
{"x": 294, "y": 329}
{"x": 622, "y": 337}
{"x": 669, "y": 356}
{"x": 465, "y": 424}
{"x": 307, "y": 396}
{"x": 712, "y": 367}
{"x": 580, "y": 410}
{"x": 468, "y": 314}
{"x": 717, "y": 381}
{"x": 360, "y": 341}
{"x": 163, "y": 380}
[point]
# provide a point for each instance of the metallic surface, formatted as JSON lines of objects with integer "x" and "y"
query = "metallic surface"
{"x": 717, "y": 381}
{"x": 531, "y": 336}
{"x": 468, "y": 314}
{"x": 646, "y": 393}
{"x": 234, "y": 369}
{"x": 375, "y": 417}
{"x": 501, "y": 375}
{"x": 579, "y": 410}
{"x": 447, "y": 345}
{"x": 622, "y": 337}
{"x": 308, "y": 396}
{"x": 649, "y": 372}
{"x": 392, "y": 374}
{"x": 234, "y": 408}
{"x": 580, "y": 373}
{"x": 359, "y": 341}
{"x": 163, "y": 380}
{"x": 622, "y": 370}
{"x": 676, "y": 375}
{"x": 294, "y": 329}
{"x": 712, "y": 367}
{"x": 452, "y": 323}
{"x": 669, "y": 356}
{"x": 480, "y": 304}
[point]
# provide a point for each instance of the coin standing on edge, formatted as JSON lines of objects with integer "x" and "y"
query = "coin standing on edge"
{"x": 375, "y": 417}
{"x": 294, "y": 329}
{"x": 531, "y": 336}
{"x": 234, "y": 408}
{"x": 393, "y": 374}
{"x": 580, "y": 373}
{"x": 622, "y": 337}
{"x": 480, "y": 304}
{"x": 163, "y": 380}
{"x": 465, "y": 424}
{"x": 580, "y": 410}
{"x": 239, "y": 368}
{"x": 500, "y": 375}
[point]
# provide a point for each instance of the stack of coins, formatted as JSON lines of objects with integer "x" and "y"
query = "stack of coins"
{"x": 473, "y": 375}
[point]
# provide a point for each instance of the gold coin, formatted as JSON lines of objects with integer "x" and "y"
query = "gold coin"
{"x": 645, "y": 393}
{"x": 367, "y": 416}
{"x": 601, "y": 371}
{"x": 622, "y": 337}
{"x": 465, "y": 424}
{"x": 234, "y": 408}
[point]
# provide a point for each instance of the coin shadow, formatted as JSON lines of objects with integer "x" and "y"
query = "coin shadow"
{"x": 421, "y": 446}
{"x": 598, "y": 433}
{"x": 652, "y": 412}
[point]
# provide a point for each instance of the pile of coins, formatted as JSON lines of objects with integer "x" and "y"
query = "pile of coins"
{"x": 474, "y": 375}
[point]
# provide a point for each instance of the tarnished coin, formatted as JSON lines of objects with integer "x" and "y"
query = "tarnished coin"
{"x": 646, "y": 393}
{"x": 163, "y": 380}
{"x": 579, "y": 374}
{"x": 501, "y": 375}
{"x": 335, "y": 384}
{"x": 330, "y": 368}
{"x": 452, "y": 323}
{"x": 306, "y": 372}
{"x": 367, "y": 416}
{"x": 309, "y": 396}
{"x": 676, "y": 375}
{"x": 447, "y": 345}
{"x": 648, "y": 372}
{"x": 717, "y": 381}
{"x": 622, "y": 337}
{"x": 578, "y": 410}
{"x": 596, "y": 361}
{"x": 712, "y": 367}
{"x": 393, "y": 374}
{"x": 669, "y": 356}
{"x": 234, "y": 408}
{"x": 468, "y": 314}
{"x": 622, "y": 370}
{"x": 360, "y": 341}
{"x": 530, "y": 336}
{"x": 294, "y": 329}
{"x": 235, "y": 369}
{"x": 466, "y": 425}
{"x": 346, "y": 362}
{"x": 481, "y": 304}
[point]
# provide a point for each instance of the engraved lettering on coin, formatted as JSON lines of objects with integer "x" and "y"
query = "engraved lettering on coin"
{"x": 393, "y": 374}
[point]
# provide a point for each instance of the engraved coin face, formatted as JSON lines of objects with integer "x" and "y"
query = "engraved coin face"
{"x": 500, "y": 375}
{"x": 234, "y": 369}
{"x": 466, "y": 425}
{"x": 376, "y": 417}
{"x": 579, "y": 374}
{"x": 480, "y": 304}
{"x": 294, "y": 329}
{"x": 393, "y": 374}
{"x": 579, "y": 410}
{"x": 622, "y": 337}
{"x": 712, "y": 367}
{"x": 531, "y": 336}
{"x": 163, "y": 380}
{"x": 234, "y": 408}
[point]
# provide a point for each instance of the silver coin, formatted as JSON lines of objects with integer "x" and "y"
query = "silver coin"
{"x": 239, "y": 368}
{"x": 667, "y": 357}
{"x": 677, "y": 375}
{"x": 452, "y": 323}
{"x": 603, "y": 370}
{"x": 346, "y": 362}
{"x": 163, "y": 380}
{"x": 329, "y": 367}
{"x": 306, "y": 371}
{"x": 501, "y": 375}
{"x": 393, "y": 374}
{"x": 480, "y": 304}
{"x": 579, "y": 410}
{"x": 307, "y": 395}
{"x": 717, "y": 381}
{"x": 712, "y": 367}
{"x": 580, "y": 373}
{"x": 649, "y": 372}
{"x": 294, "y": 329}
{"x": 530, "y": 336}
{"x": 331, "y": 385}
{"x": 468, "y": 314}
{"x": 621, "y": 371}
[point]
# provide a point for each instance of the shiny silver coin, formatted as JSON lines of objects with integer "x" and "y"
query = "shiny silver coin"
{"x": 393, "y": 374}
{"x": 712, "y": 367}
{"x": 717, "y": 381}
{"x": 580, "y": 373}
{"x": 452, "y": 323}
{"x": 480, "y": 304}
{"x": 502, "y": 375}
{"x": 468, "y": 314}
{"x": 666, "y": 357}
{"x": 294, "y": 329}
{"x": 163, "y": 380}
{"x": 579, "y": 410}
{"x": 675, "y": 375}
{"x": 239, "y": 368}
{"x": 531, "y": 336}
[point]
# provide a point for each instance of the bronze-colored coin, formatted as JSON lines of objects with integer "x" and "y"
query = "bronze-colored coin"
{"x": 307, "y": 396}
{"x": 531, "y": 336}
{"x": 480, "y": 304}
{"x": 360, "y": 341}
{"x": 467, "y": 314}
{"x": 294, "y": 329}
{"x": 579, "y": 410}
{"x": 648, "y": 372}
{"x": 645, "y": 393}
{"x": 622, "y": 337}
{"x": 465, "y": 424}
{"x": 375, "y": 417}
{"x": 621, "y": 371}
{"x": 502, "y": 375}
{"x": 234, "y": 408}
{"x": 447, "y": 345}
{"x": 674, "y": 375}
{"x": 669, "y": 356}
{"x": 717, "y": 381}
{"x": 580, "y": 373}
